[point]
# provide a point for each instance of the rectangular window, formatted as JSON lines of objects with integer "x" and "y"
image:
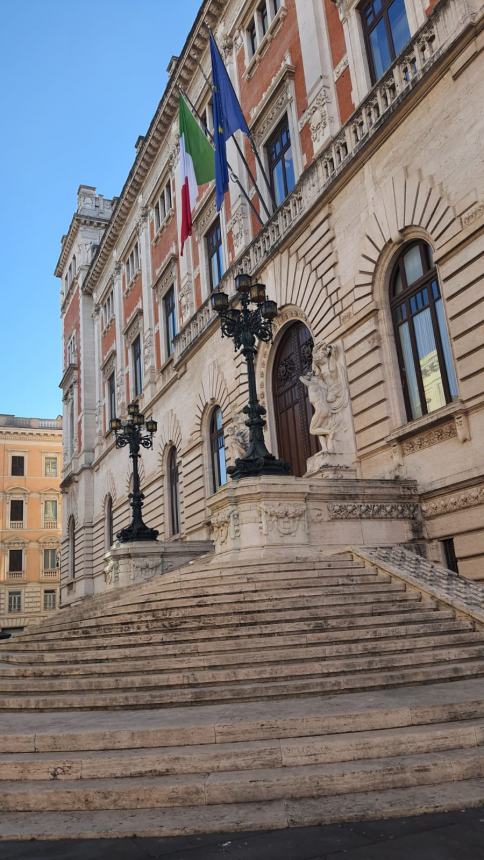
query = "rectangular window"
{"x": 71, "y": 423}
{"x": 16, "y": 511}
{"x": 263, "y": 17}
{"x": 112, "y": 396}
{"x": 162, "y": 207}
{"x": 215, "y": 254}
{"x": 108, "y": 310}
{"x": 450, "y": 557}
{"x": 132, "y": 263}
{"x": 14, "y": 601}
{"x": 49, "y": 599}
{"x": 169, "y": 313}
{"x": 71, "y": 349}
{"x": 50, "y": 467}
{"x": 281, "y": 164}
{"x": 15, "y": 560}
{"x": 386, "y": 31}
{"x": 50, "y": 559}
{"x": 137, "y": 369}
{"x": 18, "y": 464}
{"x": 252, "y": 37}
{"x": 50, "y": 513}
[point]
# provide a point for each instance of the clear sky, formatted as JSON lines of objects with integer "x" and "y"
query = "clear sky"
{"x": 79, "y": 81}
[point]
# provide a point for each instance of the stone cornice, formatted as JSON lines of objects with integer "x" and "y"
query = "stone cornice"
{"x": 77, "y": 221}
{"x": 160, "y": 126}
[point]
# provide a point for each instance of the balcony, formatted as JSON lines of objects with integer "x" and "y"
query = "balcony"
{"x": 15, "y": 574}
{"x": 446, "y": 24}
{"x": 16, "y": 524}
{"x": 49, "y": 524}
{"x": 51, "y": 574}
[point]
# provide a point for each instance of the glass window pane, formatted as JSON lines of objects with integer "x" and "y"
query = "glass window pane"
{"x": 410, "y": 373}
{"x": 398, "y": 286}
{"x": 289, "y": 164}
{"x": 278, "y": 180}
{"x": 397, "y": 17}
{"x": 380, "y": 49}
{"x": 444, "y": 337}
{"x": 429, "y": 361}
{"x": 413, "y": 264}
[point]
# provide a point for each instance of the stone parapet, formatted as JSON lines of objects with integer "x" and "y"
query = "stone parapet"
{"x": 464, "y": 596}
{"x": 276, "y": 515}
{"x": 136, "y": 562}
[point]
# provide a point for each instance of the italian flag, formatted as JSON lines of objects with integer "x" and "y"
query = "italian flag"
{"x": 197, "y": 165}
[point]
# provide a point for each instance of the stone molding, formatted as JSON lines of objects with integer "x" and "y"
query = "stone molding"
{"x": 429, "y": 438}
{"x": 166, "y": 273}
{"x": 447, "y": 504}
{"x": 284, "y": 519}
{"x": 393, "y": 511}
{"x": 273, "y": 101}
{"x": 225, "y": 524}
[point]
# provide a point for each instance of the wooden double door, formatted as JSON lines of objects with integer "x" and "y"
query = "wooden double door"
{"x": 292, "y": 408}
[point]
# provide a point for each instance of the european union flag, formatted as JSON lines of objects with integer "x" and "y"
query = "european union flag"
{"x": 227, "y": 118}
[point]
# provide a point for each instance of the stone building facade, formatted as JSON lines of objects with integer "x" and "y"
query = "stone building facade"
{"x": 30, "y": 519}
{"x": 366, "y": 117}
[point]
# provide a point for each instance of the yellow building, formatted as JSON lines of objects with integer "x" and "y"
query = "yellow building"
{"x": 30, "y": 518}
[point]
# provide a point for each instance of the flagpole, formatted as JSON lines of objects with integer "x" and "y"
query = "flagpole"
{"x": 241, "y": 153}
{"x": 252, "y": 143}
{"x": 233, "y": 175}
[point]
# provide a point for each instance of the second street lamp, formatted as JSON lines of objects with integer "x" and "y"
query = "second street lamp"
{"x": 244, "y": 326}
{"x": 130, "y": 433}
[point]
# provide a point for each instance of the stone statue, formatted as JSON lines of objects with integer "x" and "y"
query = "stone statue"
{"x": 238, "y": 437}
{"x": 328, "y": 394}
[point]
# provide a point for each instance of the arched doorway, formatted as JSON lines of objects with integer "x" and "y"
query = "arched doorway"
{"x": 292, "y": 408}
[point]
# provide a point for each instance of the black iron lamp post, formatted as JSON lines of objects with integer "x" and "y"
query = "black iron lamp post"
{"x": 244, "y": 326}
{"x": 130, "y": 433}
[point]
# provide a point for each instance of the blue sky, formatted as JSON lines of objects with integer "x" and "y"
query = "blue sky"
{"x": 79, "y": 81}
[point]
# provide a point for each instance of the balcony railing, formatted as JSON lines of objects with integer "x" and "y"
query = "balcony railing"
{"x": 15, "y": 574}
{"x": 444, "y": 26}
{"x": 49, "y": 524}
{"x": 51, "y": 574}
{"x": 16, "y": 524}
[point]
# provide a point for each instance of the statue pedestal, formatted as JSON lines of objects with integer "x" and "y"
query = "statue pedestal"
{"x": 276, "y": 516}
{"x": 330, "y": 465}
{"x": 132, "y": 563}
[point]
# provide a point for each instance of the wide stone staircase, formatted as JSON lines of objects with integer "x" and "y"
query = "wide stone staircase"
{"x": 251, "y": 694}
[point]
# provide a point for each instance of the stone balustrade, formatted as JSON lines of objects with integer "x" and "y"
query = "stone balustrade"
{"x": 463, "y": 594}
{"x": 449, "y": 19}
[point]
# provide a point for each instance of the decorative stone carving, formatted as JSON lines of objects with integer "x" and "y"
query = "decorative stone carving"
{"x": 186, "y": 303}
{"x": 239, "y": 225}
{"x": 99, "y": 412}
{"x": 342, "y": 65}
{"x": 462, "y": 427}
{"x": 472, "y": 216}
{"x": 372, "y": 511}
{"x": 275, "y": 98}
{"x": 225, "y": 525}
{"x": 143, "y": 569}
{"x": 111, "y": 572}
{"x": 447, "y": 504}
{"x": 328, "y": 394}
{"x": 285, "y": 519}
{"x": 431, "y": 437}
{"x": 148, "y": 349}
{"x": 237, "y": 437}
{"x": 205, "y": 216}
{"x": 316, "y": 116}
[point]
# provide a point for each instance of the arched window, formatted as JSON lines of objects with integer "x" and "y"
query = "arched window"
{"x": 174, "y": 492}
{"x": 108, "y": 523}
{"x": 423, "y": 346}
{"x": 71, "y": 533}
{"x": 217, "y": 449}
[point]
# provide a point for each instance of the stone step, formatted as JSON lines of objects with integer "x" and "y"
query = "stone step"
{"x": 327, "y": 627}
{"x": 212, "y": 692}
{"x": 223, "y": 818}
{"x": 259, "y": 785}
{"x": 400, "y": 602}
{"x": 379, "y": 636}
{"x": 105, "y": 665}
{"x": 229, "y": 723}
{"x": 144, "y": 678}
{"x": 245, "y": 755}
{"x": 242, "y": 608}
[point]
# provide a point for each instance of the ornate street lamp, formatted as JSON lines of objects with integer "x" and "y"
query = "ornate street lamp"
{"x": 244, "y": 326}
{"x": 130, "y": 433}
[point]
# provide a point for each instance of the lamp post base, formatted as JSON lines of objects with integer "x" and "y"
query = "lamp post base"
{"x": 251, "y": 467}
{"x": 137, "y": 532}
